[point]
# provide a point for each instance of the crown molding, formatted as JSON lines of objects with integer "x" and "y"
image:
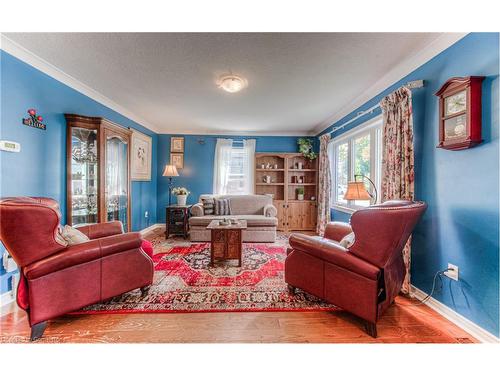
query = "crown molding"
{"x": 401, "y": 70}
{"x": 37, "y": 62}
{"x": 239, "y": 133}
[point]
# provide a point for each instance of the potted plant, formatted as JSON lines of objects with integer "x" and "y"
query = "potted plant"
{"x": 306, "y": 148}
{"x": 300, "y": 193}
{"x": 182, "y": 194}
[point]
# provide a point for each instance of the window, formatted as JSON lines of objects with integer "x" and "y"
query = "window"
{"x": 234, "y": 167}
{"x": 357, "y": 152}
{"x": 236, "y": 179}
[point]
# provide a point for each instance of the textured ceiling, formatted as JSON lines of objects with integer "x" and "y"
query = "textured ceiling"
{"x": 296, "y": 81}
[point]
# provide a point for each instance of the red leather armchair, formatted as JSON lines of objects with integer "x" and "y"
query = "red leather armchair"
{"x": 57, "y": 279}
{"x": 366, "y": 278}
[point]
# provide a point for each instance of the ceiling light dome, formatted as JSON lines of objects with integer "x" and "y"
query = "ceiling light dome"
{"x": 232, "y": 83}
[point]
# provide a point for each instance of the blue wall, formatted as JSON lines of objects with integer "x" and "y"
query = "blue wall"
{"x": 197, "y": 174}
{"x": 460, "y": 187}
{"x": 39, "y": 169}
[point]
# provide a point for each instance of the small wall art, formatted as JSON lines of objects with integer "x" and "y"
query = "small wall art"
{"x": 177, "y": 160}
{"x": 34, "y": 120}
{"x": 140, "y": 155}
{"x": 177, "y": 144}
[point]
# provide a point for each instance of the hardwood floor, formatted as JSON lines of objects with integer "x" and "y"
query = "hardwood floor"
{"x": 402, "y": 323}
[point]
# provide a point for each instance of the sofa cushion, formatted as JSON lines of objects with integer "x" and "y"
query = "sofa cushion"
{"x": 347, "y": 241}
{"x": 222, "y": 206}
{"x": 252, "y": 220}
{"x": 208, "y": 206}
{"x": 73, "y": 236}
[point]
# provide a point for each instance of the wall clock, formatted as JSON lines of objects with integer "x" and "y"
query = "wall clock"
{"x": 460, "y": 113}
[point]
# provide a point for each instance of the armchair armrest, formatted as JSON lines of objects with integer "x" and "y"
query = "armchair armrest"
{"x": 197, "y": 210}
{"x": 100, "y": 230}
{"x": 270, "y": 210}
{"x": 337, "y": 230}
{"x": 83, "y": 253}
{"x": 331, "y": 252}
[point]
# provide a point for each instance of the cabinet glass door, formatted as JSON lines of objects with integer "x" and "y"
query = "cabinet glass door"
{"x": 84, "y": 176}
{"x": 116, "y": 186}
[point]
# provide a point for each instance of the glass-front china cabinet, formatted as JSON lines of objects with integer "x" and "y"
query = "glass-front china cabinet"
{"x": 98, "y": 171}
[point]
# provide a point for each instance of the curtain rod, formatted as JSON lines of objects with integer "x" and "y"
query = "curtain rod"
{"x": 410, "y": 85}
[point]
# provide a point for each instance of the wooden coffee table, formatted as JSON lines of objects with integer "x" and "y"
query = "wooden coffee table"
{"x": 226, "y": 241}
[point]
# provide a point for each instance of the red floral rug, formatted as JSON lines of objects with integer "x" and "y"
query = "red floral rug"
{"x": 184, "y": 282}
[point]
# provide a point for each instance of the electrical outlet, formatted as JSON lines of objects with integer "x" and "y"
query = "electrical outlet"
{"x": 146, "y": 214}
{"x": 453, "y": 273}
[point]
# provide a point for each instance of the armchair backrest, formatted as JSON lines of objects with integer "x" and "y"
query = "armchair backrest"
{"x": 29, "y": 228}
{"x": 381, "y": 231}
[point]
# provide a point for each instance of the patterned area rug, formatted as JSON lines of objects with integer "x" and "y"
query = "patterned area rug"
{"x": 184, "y": 282}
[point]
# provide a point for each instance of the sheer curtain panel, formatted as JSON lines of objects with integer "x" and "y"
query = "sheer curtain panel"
{"x": 222, "y": 165}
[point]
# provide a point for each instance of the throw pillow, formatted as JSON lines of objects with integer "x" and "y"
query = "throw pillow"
{"x": 222, "y": 207}
{"x": 348, "y": 240}
{"x": 208, "y": 206}
{"x": 73, "y": 236}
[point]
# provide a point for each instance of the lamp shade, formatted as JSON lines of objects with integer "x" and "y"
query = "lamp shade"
{"x": 356, "y": 191}
{"x": 170, "y": 171}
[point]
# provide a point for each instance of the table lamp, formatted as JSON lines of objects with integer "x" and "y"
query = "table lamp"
{"x": 356, "y": 190}
{"x": 170, "y": 171}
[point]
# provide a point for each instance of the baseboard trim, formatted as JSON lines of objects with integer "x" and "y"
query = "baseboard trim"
{"x": 468, "y": 326}
{"x": 151, "y": 228}
{"x": 7, "y": 298}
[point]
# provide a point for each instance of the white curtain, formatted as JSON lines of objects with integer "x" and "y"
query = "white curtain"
{"x": 249, "y": 166}
{"x": 222, "y": 165}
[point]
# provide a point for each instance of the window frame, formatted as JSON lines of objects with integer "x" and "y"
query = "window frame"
{"x": 372, "y": 127}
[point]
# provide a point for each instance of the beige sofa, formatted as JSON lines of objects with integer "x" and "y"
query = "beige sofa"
{"x": 257, "y": 210}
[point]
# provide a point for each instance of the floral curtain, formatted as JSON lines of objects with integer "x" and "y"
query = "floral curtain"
{"x": 397, "y": 156}
{"x": 325, "y": 181}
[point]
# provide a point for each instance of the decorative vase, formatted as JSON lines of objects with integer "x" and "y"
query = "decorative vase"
{"x": 300, "y": 197}
{"x": 181, "y": 200}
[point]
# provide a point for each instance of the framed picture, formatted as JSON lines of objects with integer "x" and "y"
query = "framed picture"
{"x": 177, "y": 144}
{"x": 177, "y": 160}
{"x": 140, "y": 155}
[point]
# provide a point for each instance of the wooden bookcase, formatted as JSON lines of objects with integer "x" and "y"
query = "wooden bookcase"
{"x": 279, "y": 174}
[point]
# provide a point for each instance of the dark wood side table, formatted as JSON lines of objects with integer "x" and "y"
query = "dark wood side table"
{"x": 226, "y": 241}
{"x": 177, "y": 220}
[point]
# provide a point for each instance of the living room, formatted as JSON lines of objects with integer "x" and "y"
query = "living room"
{"x": 249, "y": 187}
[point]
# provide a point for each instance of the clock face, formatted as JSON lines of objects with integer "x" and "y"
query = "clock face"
{"x": 455, "y": 103}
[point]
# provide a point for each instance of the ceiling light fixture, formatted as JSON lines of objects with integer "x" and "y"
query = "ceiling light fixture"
{"x": 232, "y": 83}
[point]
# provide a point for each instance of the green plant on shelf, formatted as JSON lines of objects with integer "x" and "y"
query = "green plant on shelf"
{"x": 299, "y": 191}
{"x": 306, "y": 148}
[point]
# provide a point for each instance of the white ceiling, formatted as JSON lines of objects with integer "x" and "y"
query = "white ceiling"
{"x": 297, "y": 82}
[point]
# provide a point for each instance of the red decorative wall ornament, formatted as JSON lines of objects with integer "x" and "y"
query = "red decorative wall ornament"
{"x": 34, "y": 120}
{"x": 460, "y": 113}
